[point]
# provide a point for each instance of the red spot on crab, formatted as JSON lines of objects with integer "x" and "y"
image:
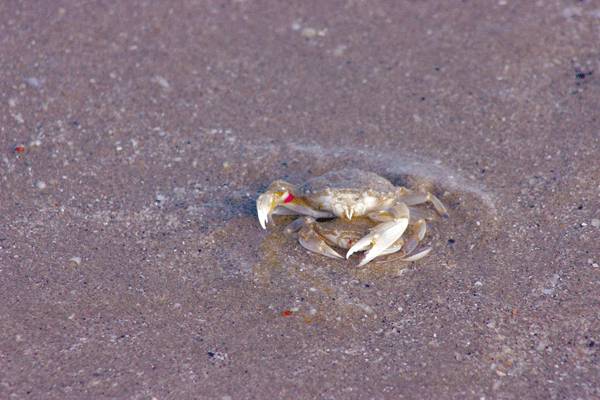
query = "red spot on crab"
{"x": 288, "y": 198}
{"x": 287, "y": 313}
{"x": 20, "y": 149}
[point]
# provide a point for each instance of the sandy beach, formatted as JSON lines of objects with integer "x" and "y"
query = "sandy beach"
{"x": 135, "y": 138}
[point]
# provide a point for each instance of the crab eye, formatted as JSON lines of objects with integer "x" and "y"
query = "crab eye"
{"x": 287, "y": 197}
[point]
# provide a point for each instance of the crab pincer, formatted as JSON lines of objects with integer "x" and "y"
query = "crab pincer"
{"x": 280, "y": 199}
{"x": 382, "y": 236}
{"x": 278, "y": 193}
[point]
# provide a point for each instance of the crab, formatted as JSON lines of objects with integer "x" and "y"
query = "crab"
{"x": 353, "y": 210}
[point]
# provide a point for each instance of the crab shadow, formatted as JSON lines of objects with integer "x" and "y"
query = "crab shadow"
{"x": 243, "y": 206}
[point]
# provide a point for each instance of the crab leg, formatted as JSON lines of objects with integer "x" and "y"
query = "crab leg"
{"x": 297, "y": 224}
{"x": 422, "y": 213}
{"x": 418, "y": 233}
{"x": 289, "y": 209}
{"x": 383, "y": 235}
{"x": 283, "y": 211}
{"x": 412, "y": 199}
{"x": 394, "y": 248}
{"x": 417, "y": 256}
{"x": 380, "y": 216}
{"x": 299, "y": 206}
{"x": 310, "y": 239}
{"x": 416, "y": 214}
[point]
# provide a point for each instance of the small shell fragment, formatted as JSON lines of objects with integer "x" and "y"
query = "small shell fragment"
{"x": 75, "y": 260}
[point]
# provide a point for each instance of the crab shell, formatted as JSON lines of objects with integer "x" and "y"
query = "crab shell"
{"x": 348, "y": 193}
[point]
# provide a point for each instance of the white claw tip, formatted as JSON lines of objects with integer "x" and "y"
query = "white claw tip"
{"x": 263, "y": 209}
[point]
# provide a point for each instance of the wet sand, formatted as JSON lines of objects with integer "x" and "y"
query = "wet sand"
{"x": 134, "y": 140}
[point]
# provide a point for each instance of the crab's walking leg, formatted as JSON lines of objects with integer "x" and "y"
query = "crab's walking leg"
{"x": 418, "y": 233}
{"x": 412, "y": 198}
{"x": 383, "y": 235}
{"x": 297, "y": 224}
{"x": 418, "y": 255}
{"x": 394, "y": 248}
{"x": 310, "y": 239}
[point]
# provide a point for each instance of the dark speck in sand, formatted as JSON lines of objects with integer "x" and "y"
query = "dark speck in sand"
{"x": 583, "y": 75}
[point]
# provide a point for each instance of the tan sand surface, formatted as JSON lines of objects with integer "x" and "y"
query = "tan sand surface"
{"x": 135, "y": 137}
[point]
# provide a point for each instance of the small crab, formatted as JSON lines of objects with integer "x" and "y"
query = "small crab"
{"x": 364, "y": 212}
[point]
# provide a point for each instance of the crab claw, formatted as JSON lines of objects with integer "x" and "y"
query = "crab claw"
{"x": 383, "y": 235}
{"x": 278, "y": 193}
{"x": 379, "y": 239}
{"x": 265, "y": 204}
